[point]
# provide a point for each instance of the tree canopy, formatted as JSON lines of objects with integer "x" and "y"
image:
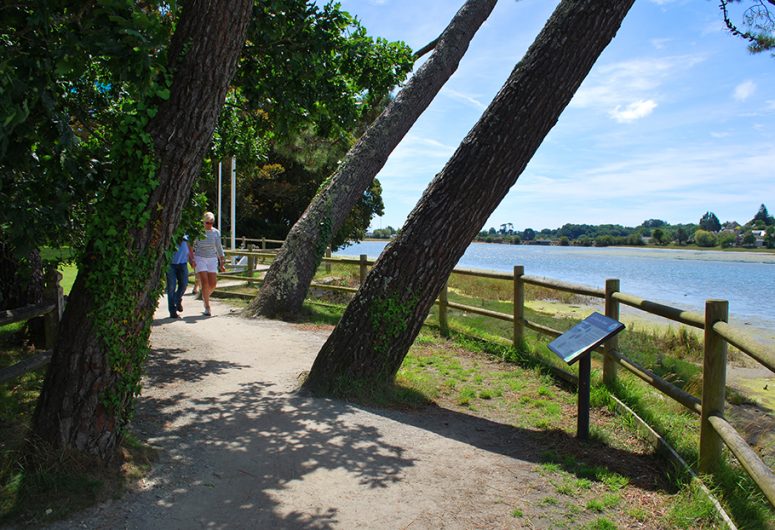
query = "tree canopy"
{"x": 65, "y": 73}
{"x": 710, "y": 222}
{"x": 762, "y": 216}
{"x": 68, "y": 73}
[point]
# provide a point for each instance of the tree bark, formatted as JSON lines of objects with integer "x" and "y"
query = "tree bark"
{"x": 203, "y": 57}
{"x": 382, "y": 321}
{"x": 287, "y": 280}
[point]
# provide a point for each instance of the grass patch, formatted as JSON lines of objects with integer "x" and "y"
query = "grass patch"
{"x": 602, "y": 524}
{"x": 549, "y": 501}
{"x": 69, "y": 272}
{"x": 584, "y": 472}
{"x": 692, "y": 505}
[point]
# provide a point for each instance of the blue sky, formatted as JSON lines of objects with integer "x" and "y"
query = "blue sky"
{"x": 675, "y": 118}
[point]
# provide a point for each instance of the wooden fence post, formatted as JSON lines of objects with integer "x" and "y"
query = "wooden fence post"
{"x": 251, "y": 261}
{"x": 612, "y": 311}
{"x": 52, "y": 294}
{"x": 328, "y": 255}
{"x": 443, "y": 301}
{"x": 263, "y": 243}
{"x": 714, "y": 376}
{"x": 519, "y": 306}
{"x": 364, "y": 268}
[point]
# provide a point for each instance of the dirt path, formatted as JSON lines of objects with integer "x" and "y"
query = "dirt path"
{"x": 240, "y": 448}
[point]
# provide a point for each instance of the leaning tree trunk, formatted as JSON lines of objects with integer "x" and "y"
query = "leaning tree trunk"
{"x": 287, "y": 280}
{"x": 88, "y": 393}
{"x": 382, "y": 321}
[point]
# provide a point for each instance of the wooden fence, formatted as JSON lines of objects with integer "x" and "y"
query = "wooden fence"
{"x": 715, "y": 431}
{"x": 51, "y": 310}
{"x": 254, "y": 243}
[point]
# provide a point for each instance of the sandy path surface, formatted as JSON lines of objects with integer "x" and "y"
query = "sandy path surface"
{"x": 241, "y": 448}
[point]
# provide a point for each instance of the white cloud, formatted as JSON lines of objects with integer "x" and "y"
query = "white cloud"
{"x": 720, "y": 134}
{"x": 660, "y": 44}
{"x": 744, "y": 90}
{"x": 629, "y": 90}
{"x": 634, "y": 111}
{"x": 465, "y": 98}
{"x": 681, "y": 173}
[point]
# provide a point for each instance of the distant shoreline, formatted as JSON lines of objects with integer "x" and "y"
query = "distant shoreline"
{"x": 649, "y": 247}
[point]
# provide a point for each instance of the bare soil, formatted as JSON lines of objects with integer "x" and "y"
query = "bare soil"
{"x": 241, "y": 447}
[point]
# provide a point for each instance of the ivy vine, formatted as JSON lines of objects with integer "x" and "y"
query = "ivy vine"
{"x": 389, "y": 317}
{"x": 117, "y": 272}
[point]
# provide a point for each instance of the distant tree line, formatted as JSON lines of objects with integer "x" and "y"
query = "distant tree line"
{"x": 383, "y": 233}
{"x": 708, "y": 232}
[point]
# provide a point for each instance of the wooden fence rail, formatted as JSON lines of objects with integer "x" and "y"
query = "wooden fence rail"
{"x": 714, "y": 430}
{"x": 51, "y": 310}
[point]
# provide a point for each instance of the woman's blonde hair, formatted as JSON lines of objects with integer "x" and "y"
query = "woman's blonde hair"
{"x": 208, "y": 216}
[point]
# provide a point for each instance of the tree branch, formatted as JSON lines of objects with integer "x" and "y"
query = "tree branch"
{"x": 431, "y": 45}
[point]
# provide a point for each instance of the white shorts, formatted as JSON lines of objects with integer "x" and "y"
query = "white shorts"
{"x": 206, "y": 264}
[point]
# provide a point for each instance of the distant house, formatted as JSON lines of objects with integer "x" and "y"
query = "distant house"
{"x": 760, "y": 235}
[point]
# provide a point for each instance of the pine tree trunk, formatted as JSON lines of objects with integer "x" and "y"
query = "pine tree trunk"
{"x": 203, "y": 54}
{"x": 287, "y": 280}
{"x": 382, "y": 321}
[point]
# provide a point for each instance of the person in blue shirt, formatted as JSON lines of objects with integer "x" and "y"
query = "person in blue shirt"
{"x": 177, "y": 277}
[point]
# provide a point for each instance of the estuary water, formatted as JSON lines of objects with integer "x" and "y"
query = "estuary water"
{"x": 677, "y": 277}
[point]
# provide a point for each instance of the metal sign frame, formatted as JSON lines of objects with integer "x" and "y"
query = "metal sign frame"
{"x": 577, "y": 344}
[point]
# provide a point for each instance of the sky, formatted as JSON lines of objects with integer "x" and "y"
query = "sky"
{"x": 675, "y": 118}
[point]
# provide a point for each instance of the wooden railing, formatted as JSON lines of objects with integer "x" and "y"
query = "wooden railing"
{"x": 51, "y": 310}
{"x": 248, "y": 243}
{"x": 715, "y": 431}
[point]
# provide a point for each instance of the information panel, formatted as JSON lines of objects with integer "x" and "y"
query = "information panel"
{"x": 585, "y": 336}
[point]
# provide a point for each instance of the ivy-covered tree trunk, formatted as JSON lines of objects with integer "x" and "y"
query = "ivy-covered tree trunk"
{"x": 287, "y": 280}
{"x": 382, "y": 321}
{"x": 89, "y": 391}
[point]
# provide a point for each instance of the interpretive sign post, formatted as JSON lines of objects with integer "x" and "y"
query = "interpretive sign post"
{"x": 577, "y": 344}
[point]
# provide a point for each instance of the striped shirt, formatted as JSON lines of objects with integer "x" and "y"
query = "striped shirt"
{"x": 210, "y": 246}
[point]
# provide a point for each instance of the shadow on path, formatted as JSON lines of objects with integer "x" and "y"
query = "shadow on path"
{"x": 536, "y": 446}
{"x": 256, "y": 455}
{"x": 231, "y": 452}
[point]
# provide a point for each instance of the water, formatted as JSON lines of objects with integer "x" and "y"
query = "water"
{"x": 680, "y": 278}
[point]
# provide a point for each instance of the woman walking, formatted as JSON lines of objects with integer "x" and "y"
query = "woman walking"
{"x": 209, "y": 256}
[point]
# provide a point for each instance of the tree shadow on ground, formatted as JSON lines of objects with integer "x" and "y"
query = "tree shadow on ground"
{"x": 227, "y": 455}
{"x": 644, "y": 471}
{"x": 166, "y": 366}
{"x": 233, "y": 450}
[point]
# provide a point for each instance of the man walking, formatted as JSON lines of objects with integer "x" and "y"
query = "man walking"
{"x": 177, "y": 277}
